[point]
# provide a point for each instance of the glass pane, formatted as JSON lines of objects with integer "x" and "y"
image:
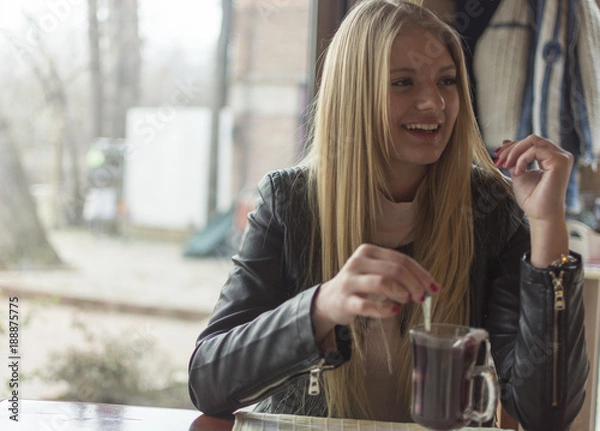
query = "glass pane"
{"x": 120, "y": 211}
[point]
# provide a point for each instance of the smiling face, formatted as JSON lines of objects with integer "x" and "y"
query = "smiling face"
{"x": 424, "y": 99}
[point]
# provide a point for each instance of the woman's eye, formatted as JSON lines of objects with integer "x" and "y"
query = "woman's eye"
{"x": 402, "y": 82}
{"x": 449, "y": 81}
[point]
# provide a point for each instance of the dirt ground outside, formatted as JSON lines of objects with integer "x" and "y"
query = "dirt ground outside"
{"x": 133, "y": 305}
{"x": 53, "y": 330}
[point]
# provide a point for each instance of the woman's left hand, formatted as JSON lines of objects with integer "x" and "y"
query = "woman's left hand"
{"x": 539, "y": 192}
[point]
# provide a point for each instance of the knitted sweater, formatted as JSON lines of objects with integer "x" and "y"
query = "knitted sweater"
{"x": 537, "y": 70}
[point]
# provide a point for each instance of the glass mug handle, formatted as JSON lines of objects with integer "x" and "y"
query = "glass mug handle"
{"x": 489, "y": 377}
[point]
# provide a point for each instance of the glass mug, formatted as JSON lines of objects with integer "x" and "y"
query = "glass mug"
{"x": 443, "y": 375}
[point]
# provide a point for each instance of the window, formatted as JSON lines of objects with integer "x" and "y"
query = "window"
{"x": 110, "y": 239}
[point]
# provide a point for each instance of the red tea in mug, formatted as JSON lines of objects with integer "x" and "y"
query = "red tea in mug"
{"x": 443, "y": 375}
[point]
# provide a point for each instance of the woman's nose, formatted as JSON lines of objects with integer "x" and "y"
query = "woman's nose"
{"x": 430, "y": 99}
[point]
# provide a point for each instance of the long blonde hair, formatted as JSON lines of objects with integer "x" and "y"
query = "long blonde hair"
{"x": 347, "y": 164}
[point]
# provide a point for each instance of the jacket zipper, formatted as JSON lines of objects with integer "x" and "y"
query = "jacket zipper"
{"x": 559, "y": 305}
{"x": 313, "y": 386}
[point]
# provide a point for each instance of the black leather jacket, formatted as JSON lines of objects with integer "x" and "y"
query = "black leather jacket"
{"x": 259, "y": 343}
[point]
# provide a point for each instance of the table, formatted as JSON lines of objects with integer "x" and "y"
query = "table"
{"x": 74, "y": 416}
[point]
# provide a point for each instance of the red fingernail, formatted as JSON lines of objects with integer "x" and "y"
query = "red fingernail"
{"x": 396, "y": 309}
{"x": 423, "y": 298}
{"x": 497, "y": 150}
{"x": 434, "y": 287}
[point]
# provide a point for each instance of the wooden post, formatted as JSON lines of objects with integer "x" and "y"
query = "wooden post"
{"x": 326, "y": 17}
{"x": 218, "y": 102}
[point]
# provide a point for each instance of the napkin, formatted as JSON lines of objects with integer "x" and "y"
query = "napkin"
{"x": 249, "y": 421}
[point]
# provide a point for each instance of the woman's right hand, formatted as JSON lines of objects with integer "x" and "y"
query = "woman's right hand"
{"x": 373, "y": 282}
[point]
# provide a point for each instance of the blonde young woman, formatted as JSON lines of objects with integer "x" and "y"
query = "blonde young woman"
{"x": 397, "y": 199}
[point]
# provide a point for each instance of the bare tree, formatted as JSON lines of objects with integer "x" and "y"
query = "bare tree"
{"x": 115, "y": 65}
{"x": 96, "y": 76}
{"x": 126, "y": 65}
{"x": 23, "y": 240}
{"x": 44, "y": 68}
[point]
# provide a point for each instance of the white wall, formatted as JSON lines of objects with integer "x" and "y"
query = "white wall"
{"x": 165, "y": 183}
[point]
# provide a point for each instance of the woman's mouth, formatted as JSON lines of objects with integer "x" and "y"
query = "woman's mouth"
{"x": 426, "y": 128}
{"x": 423, "y": 131}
